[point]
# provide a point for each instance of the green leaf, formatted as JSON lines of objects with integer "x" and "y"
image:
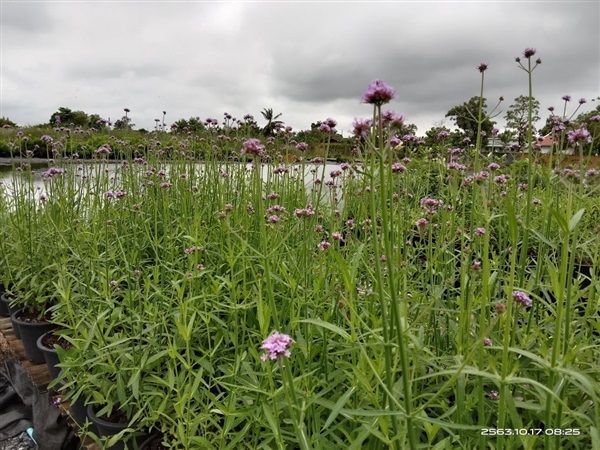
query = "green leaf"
{"x": 576, "y": 219}
{"x": 331, "y": 327}
{"x": 337, "y": 408}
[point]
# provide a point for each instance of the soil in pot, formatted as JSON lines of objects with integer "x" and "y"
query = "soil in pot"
{"x": 154, "y": 442}
{"x": 31, "y": 328}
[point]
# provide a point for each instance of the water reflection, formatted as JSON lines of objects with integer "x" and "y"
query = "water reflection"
{"x": 15, "y": 178}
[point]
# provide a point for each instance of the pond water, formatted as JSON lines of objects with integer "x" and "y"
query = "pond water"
{"x": 12, "y": 176}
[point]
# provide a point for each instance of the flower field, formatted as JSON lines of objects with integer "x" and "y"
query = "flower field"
{"x": 392, "y": 301}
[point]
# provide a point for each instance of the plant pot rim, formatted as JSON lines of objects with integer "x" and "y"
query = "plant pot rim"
{"x": 40, "y": 344}
{"x": 102, "y": 422}
{"x": 33, "y": 324}
{"x": 149, "y": 439}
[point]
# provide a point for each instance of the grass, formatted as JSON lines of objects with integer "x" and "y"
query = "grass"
{"x": 395, "y": 277}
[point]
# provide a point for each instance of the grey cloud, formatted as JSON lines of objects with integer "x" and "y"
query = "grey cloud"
{"x": 27, "y": 19}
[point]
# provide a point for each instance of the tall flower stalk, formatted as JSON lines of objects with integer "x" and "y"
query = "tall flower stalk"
{"x": 377, "y": 94}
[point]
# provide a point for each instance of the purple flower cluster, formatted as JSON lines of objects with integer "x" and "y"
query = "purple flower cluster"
{"x": 479, "y": 231}
{"x": 304, "y": 212}
{"x": 115, "y": 194}
{"x": 378, "y": 93}
{"x": 522, "y": 297}
{"x": 580, "y": 135}
{"x": 422, "y": 222}
{"x": 276, "y": 346}
{"x": 253, "y": 147}
{"x": 456, "y": 166}
{"x": 397, "y": 167}
{"x": 51, "y": 172}
{"x": 392, "y": 118}
{"x": 104, "y": 149}
{"x": 323, "y": 245}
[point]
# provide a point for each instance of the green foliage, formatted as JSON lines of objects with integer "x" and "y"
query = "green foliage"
{"x": 517, "y": 118}
{"x": 272, "y": 122}
{"x": 5, "y": 122}
{"x": 465, "y": 117}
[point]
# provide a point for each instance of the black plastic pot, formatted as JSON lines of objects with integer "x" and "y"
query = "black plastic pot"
{"x": 146, "y": 444}
{"x": 11, "y": 310}
{"x": 30, "y": 333}
{"x": 106, "y": 429}
{"x": 50, "y": 356}
{"x": 4, "y": 311}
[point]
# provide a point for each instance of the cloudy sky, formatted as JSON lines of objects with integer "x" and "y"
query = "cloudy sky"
{"x": 306, "y": 60}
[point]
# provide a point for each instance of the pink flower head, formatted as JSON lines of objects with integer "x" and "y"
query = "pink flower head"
{"x": 528, "y": 52}
{"x": 253, "y": 147}
{"x": 331, "y": 123}
{"x": 482, "y": 67}
{"x": 392, "y": 118}
{"x": 397, "y": 167}
{"x": 362, "y": 127}
{"x": 378, "y": 93}
{"x": 522, "y": 297}
{"x": 276, "y": 346}
{"x": 422, "y": 222}
{"x": 324, "y": 245}
{"x": 580, "y": 135}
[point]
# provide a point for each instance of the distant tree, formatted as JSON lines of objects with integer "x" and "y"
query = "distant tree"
{"x": 436, "y": 135}
{"x": 124, "y": 123}
{"x": 66, "y": 116}
{"x": 6, "y": 122}
{"x": 62, "y": 117}
{"x": 465, "y": 117}
{"x": 272, "y": 122}
{"x": 95, "y": 121}
{"x": 80, "y": 119}
{"x": 193, "y": 124}
{"x": 517, "y": 118}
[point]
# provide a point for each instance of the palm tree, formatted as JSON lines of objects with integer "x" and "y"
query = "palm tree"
{"x": 272, "y": 121}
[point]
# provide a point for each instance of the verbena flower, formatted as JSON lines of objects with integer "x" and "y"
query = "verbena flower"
{"x": 276, "y": 346}
{"x": 253, "y": 147}
{"x": 528, "y": 52}
{"x": 482, "y": 67}
{"x": 421, "y": 222}
{"x": 378, "y": 93}
{"x": 580, "y": 135}
{"x": 324, "y": 245}
{"x": 522, "y": 297}
{"x": 397, "y": 167}
{"x": 362, "y": 127}
{"x": 392, "y": 118}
